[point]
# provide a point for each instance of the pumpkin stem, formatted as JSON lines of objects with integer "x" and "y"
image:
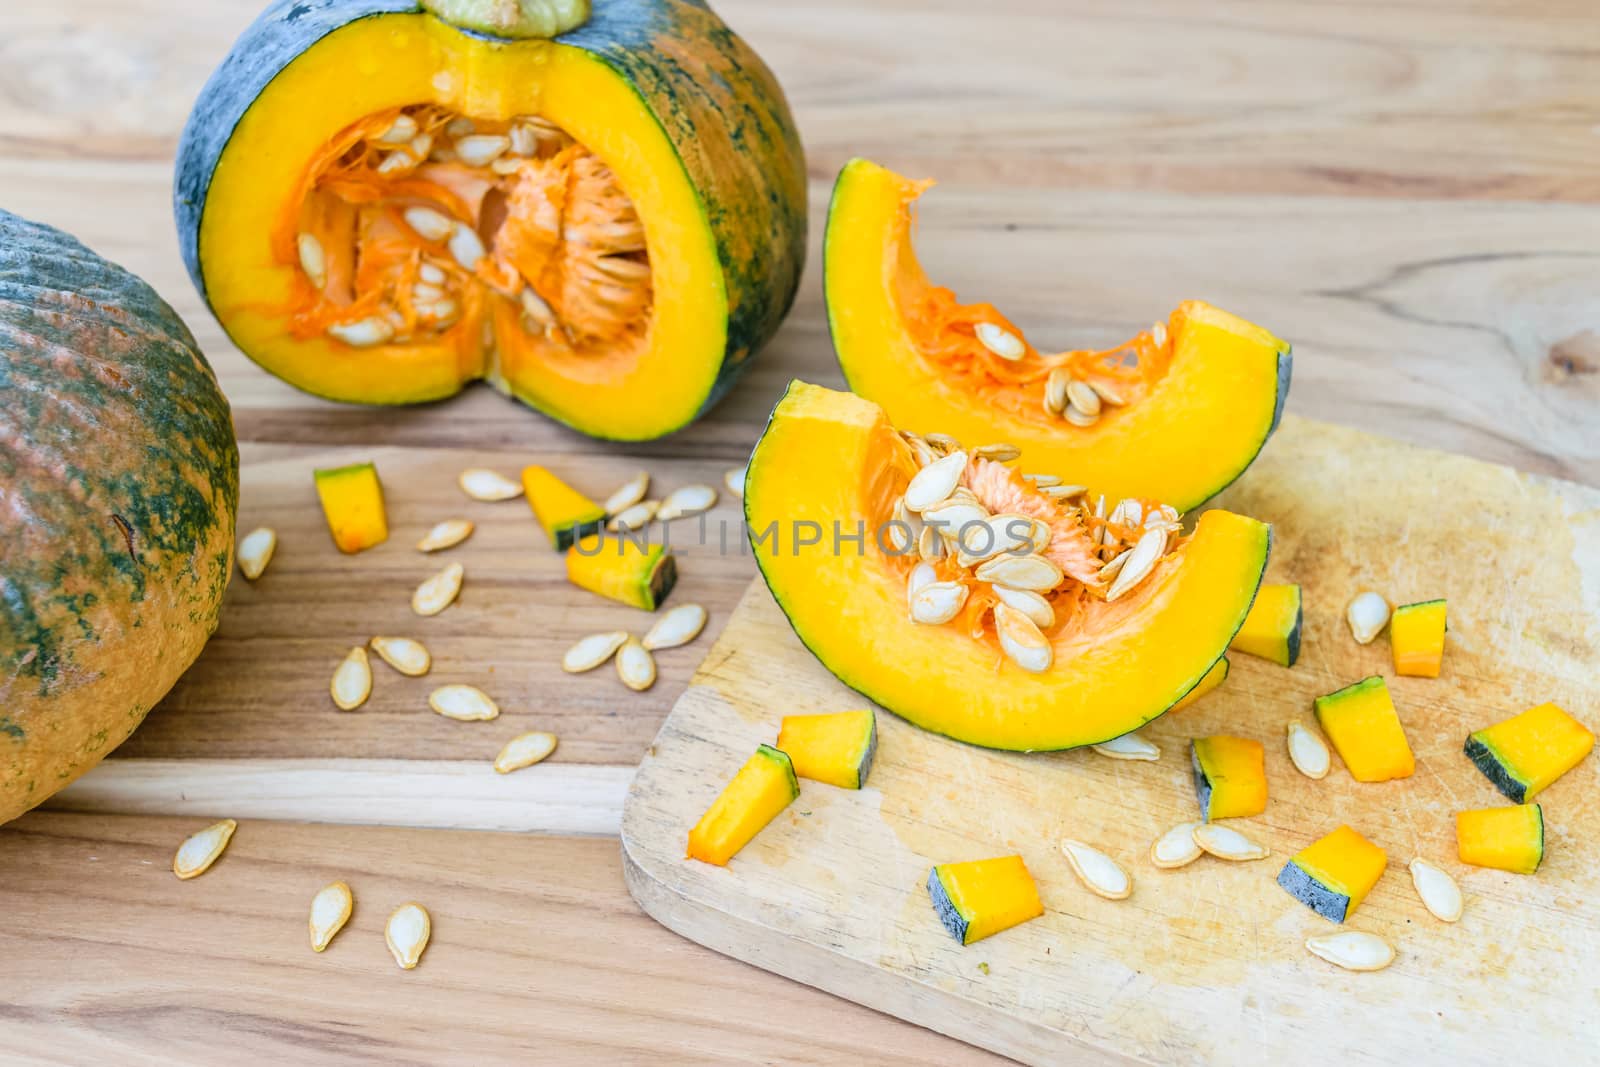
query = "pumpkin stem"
{"x": 512, "y": 18}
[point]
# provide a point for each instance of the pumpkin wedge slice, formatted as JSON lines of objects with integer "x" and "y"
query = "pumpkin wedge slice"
{"x": 937, "y": 365}
{"x": 820, "y": 493}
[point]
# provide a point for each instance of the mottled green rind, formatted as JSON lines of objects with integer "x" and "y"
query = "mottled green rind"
{"x": 946, "y": 909}
{"x": 781, "y": 758}
{"x": 1488, "y": 761}
{"x": 1202, "y": 784}
{"x": 570, "y": 533}
{"x": 1326, "y": 902}
{"x": 1351, "y": 690}
{"x": 872, "y": 750}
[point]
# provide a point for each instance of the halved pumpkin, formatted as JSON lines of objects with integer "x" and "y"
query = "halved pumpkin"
{"x": 1175, "y": 414}
{"x": 382, "y": 200}
{"x": 831, "y": 462}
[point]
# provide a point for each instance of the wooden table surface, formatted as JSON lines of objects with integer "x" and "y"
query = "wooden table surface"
{"x": 1406, "y": 190}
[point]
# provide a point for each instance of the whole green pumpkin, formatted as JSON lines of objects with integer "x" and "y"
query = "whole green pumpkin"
{"x": 119, "y": 479}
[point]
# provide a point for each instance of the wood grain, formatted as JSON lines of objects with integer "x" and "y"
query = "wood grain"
{"x": 833, "y": 891}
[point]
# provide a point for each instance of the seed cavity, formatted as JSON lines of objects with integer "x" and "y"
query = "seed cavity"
{"x": 255, "y": 551}
{"x": 1368, "y": 614}
{"x": 1129, "y": 746}
{"x": 1101, "y": 874}
{"x": 1307, "y": 752}
{"x": 524, "y": 750}
{"x": 352, "y": 680}
{"x": 635, "y": 517}
{"x": 438, "y": 592}
{"x": 1021, "y": 640}
{"x": 690, "y": 500}
{"x": 677, "y": 627}
{"x": 447, "y": 534}
{"x": 1227, "y": 843}
{"x": 636, "y": 666}
{"x": 463, "y": 703}
{"x": 408, "y": 657}
{"x": 330, "y": 910}
{"x": 199, "y": 851}
{"x": 1001, "y": 341}
{"x": 1354, "y": 950}
{"x": 1439, "y": 892}
{"x": 1177, "y": 847}
{"x": 482, "y": 484}
{"x": 406, "y": 933}
{"x": 628, "y": 494}
{"x": 590, "y": 652}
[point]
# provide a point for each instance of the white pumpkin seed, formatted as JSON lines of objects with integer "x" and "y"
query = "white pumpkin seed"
{"x": 255, "y": 551}
{"x": 1439, "y": 892}
{"x": 463, "y": 703}
{"x": 1109, "y": 394}
{"x": 954, "y": 518}
{"x": 1226, "y": 843}
{"x": 524, "y": 750}
{"x": 431, "y": 274}
{"x": 677, "y": 627}
{"x": 535, "y": 308}
{"x": 943, "y": 442}
{"x": 921, "y": 575}
{"x": 1055, "y": 390}
{"x": 938, "y": 602}
{"x": 312, "y": 259}
{"x": 437, "y": 313}
{"x": 1041, "y": 481}
{"x": 429, "y": 224}
{"x": 1113, "y": 567}
{"x": 1000, "y": 534}
{"x": 482, "y": 484}
{"x": 421, "y": 146}
{"x": 447, "y": 534}
{"x": 1142, "y": 559}
{"x": 590, "y": 652}
{"x": 1031, "y": 604}
{"x": 1177, "y": 847}
{"x": 330, "y": 910}
{"x": 998, "y": 453}
{"x": 1354, "y": 950}
{"x": 690, "y": 500}
{"x": 1021, "y": 640}
{"x": 930, "y": 546}
{"x": 200, "y": 850}
{"x": 482, "y": 149}
{"x": 460, "y": 126}
{"x": 398, "y": 162}
{"x": 1368, "y": 614}
{"x": 406, "y": 933}
{"x": 352, "y": 680}
{"x": 1021, "y": 572}
{"x": 423, "y": 293}
{"x": 628, "y": 494}
{"x": 936, "y": 481}
{"x": 400, "y": 132}
{"x": 524, "y": 140}
{"x": 1129, "y": 746}
{"x": 1099, "y": 873}
{"x": 1001, "y": 341}
{"x": 734, "y": 480}
{"x": 1083, "y": 397}
{"x": 1064, "y": 492}
{"x": 466, "y": 247}
{"x": 636, "y": 666}
{"x": 438, "y": 592}
{"x": 635, "y": 517}
{"x": 1307, "y": 752}
{"x": 921, "y": 451}
{"x": 1079, "y": 418}
{"x": 1128, "y": 512}
{"x": 409, "y": 657}
{"x": 363, "y": 333}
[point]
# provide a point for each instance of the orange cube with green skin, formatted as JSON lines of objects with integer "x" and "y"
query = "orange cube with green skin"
{"x": 352, "y": 502}
{"x": 835, "y": 748}
{"x": 1416, "y": 636}
{"x": 1334, "y": 875}
{"x": 1230, "y": 776}
{"x": 1361, "y": 722}
{"x": 980, "y": 898}
{"x": 1508, "y": 838}
{"x": 764, "y": 786}
{"x": 1272, "y": 629}
{"x": 1527, "y": 752}
{"x": 564, "y": 513}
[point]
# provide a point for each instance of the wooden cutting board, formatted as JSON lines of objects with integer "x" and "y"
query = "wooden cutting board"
{"x": 1204, "y": 963}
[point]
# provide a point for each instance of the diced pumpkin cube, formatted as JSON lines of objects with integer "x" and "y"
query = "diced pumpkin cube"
{"x": 1230, "y": 776}
{"x": 1334, "y": 875}
{"x": 1361, "y": 722}
{"x": 764, "y": 786}
{"x": 1527, "y": 752}
{"x": 565, "y": 513}
{"x": 352, "y": 502}
{"x": 1272, "y": 629}
{"x": 624, "y": 569}
{"x": 1209, "y": 681}
{"x": 1416, "y": 636}
{"x": 980, "y": 898}
{"x": 836, "y": 748}
{"x": 1508, "y": 838}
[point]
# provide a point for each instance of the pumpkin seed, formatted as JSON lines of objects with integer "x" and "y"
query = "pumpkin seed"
{"x": 460, "y": 126}
{"x": 200, "y": 850}
{"x": 998, "y": 453}
{"x": 398, "y": 162}
{"x": 635, "y": 517}
{"x": 400, "y": 132}
{"x": 524, "y": 140}
{"x": 1141, "y": 560}
{"x": 466, "y": 247}
{"x": 1439, "y": 892}
{"x": 938, "y": 602}
{"x": 1031, "y": 604}
{"x": 1033, "y": 573}
{"x": 943, "y": 442}
{"x": 690, "y": 500}
{"x": 734, "y": 480}
{"x": 999, "y": 534}
{"x": 424, "y": 293}
{"x": 677, "y": 627}
{"x": 352, "y": 680}
{"x": 1108, "y": 394}
{"x": 437, "y": 313}
{"x": 1128, "y": 512}
{"x": 431, "y": 274}
{"x": 1113, "y": 567}
{"x": 952, "y": 518}
{"x": 1021, "y": 640}
{"x": 1177, "y": 847}
{"x": 1055, "y": 390}
{"x": 447, "y": 534}
{"x": 1226, "y": 843}
{"x": 936, "y": 481}
{"x": 482, "y": 149}
{"x": 535, "y": 308}
{"x": 312, "y": 259}
{"x": 482, "y": 484}
{"x": 636, "y": 666}
{"x": 592, "y": 651}
{"x": 506, "y": 165}
{"x": 438, "y": 592}
{"x": 406, "y": 933}
{"x": 628, "y": 494}
{"x": 930, "y": 546}
{"x": 408, "y": 657}
{"x": 1368, "y": 614}
{"x": 1354, "y": 950}
{"x": 1063, "y": 492}
{"x": 1041, "y": 481}
{"x": 1079, "y": 417}
{"x": 524, "y": 750}
{"x": 1001, "y": 341}
{"x": 363, "y": 333}
{"x": 1307, "y": 752}
{"x": 429, "y": 224}
{"x": 463, "y": 703}
{"x": 1083, "y": 397}
{"x": 962, "y": 495}
{"x": 1103, "y": 534}
{"x": 330, "y": 910}
{"x": 921, "y": 451}
{"x": 921, "y": 575}
{"x": 1129, "y": 746}
{"x": 255, "y": 551}
{"x": 1039, "y": 540}
{"x": 1099, "y": 873}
